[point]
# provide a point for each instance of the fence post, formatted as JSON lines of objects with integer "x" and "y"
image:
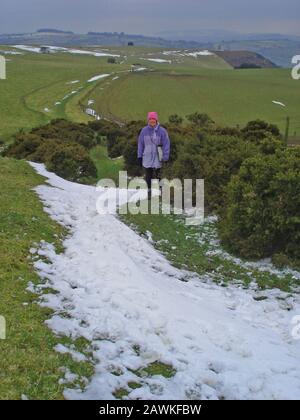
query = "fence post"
{"x": 287, "y": 129}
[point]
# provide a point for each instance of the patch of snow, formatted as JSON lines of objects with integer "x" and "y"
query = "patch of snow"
{"x": 69, "y": 94}
{"x": 54, "y": 49}
{"x": 76, "y": 356}
{"x": 279, "y": 103}
{"x": 10, "y": 53}
{"x": 28, "y": 48}
{"x": 120, "y": 293}
{"x": 199, "y": 53}
{"x": 91, "y": 112}
{"x": 157, "y": 60}
{"x": 100, "y": 76}
{"x": 83, "y": 52}
{"x": 187, "y": 53}
{"x": 69, "y": 378}
{"x": 178, "y": 52}
{"x": 73, "y": 82}
{"x": 95, "y": 54}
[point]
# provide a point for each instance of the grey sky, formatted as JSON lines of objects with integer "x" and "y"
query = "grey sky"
{"x": 151, "y": 16}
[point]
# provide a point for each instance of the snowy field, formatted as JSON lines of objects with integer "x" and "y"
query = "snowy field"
{"x": 54, "y": 49}
{"x": 121, "y": 294}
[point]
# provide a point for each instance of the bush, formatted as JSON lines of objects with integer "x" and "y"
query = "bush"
{"x": 212, "y": 158}
{"x": 201, "y": 120}
{"x": 262, "y": 208}
{"x": 130, "y": 157}
{"x": 62, "y": 145}
{"x": 72, "y": 162}
{"x": 175, "y": 119}
{"x": 67, "y": 131}
{"x": 44, "y": 151}
{"x": 103, "y": 127}
{"x": 258, "y": 130}
{"x": 115, "y": 143}
{"x": 23, "y": 146}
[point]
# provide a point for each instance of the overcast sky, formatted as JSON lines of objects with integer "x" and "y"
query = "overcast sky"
{"x": 151, "y": 16}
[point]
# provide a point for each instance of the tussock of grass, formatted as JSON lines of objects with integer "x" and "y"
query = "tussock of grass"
{"x": 157, "y": 368}
{"x": 153, "y": 369}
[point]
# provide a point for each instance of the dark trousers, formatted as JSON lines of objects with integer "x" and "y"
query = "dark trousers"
{"x": 152, "y": 173}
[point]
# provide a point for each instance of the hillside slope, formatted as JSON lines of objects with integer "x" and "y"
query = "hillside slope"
{"x": 115, "y": 290}
{"x": 245, "y": 59}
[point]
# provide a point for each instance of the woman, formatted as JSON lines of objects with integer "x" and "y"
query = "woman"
{"x": 153, "y": 149}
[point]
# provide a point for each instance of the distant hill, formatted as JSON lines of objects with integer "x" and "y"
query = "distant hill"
{"x": 64, "y": 38}
{"x": 245, "y": 59}
{"x": 53, "y": 31}
{"x": 279, "y": 49}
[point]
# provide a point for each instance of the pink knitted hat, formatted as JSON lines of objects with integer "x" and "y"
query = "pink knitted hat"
{"x": 152, "y": 115}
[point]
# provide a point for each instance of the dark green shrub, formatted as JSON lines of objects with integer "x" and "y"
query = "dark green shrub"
{"x": 175, "y": 119}
{"x": 44, "y": 151}
{"x": 261, "y": 215}
{"x": 130, "y": 157}
{"x": 71, "y": 161}
{"x": 200, "y": 119}
{"x": 257, "y": 130}
{"x": 214, "y": 159}
{"x": 23, "y": 146}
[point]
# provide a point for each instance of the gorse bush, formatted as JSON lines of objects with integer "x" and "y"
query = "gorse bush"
{"x": 62, "y": 145}
{"x": 212, "y": 158}
{"x": 71, "y": 162}
{"x": 257, "y": 130}
{"x": 262, "y": 211}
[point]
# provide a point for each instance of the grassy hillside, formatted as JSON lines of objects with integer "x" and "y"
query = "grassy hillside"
{"x": 36, "y": 82}
{"x": 38, "y": 88}
{"x": 230, "y": 97}
{"x": 30, "y": 366}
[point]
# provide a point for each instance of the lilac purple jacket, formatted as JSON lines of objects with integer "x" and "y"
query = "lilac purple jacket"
{"x": 149, "y": 139}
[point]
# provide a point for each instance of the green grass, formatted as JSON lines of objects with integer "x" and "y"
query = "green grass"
{"x": 35, "y": 82}
{"x": 29, "y": 365}
{"x": 196, "y": 248}
{"x": 38, "y": 81}
{"x": 153, "y": 369}
{"x": 206, "y": 84}
{"x": 156, "y": 368}
{"x": 229, "y": 97}
{"x": 106, "y": 167}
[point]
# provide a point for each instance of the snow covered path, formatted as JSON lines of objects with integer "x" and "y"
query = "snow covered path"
{"x": 121, "y": 294}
